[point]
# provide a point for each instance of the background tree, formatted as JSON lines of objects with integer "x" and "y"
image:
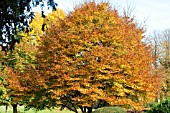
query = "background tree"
{"x": 18, "y": 68}
{"x": 4, "y": 97}
{"x": 15, "y": 15}
{"x": 38, "y": 21}
{"x": 161, "y": 46}
{"x": 15, "y": 69}
{"x": 94, "y": 54}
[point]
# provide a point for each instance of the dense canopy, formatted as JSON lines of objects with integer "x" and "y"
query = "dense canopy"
{"x": 96, "y": 54}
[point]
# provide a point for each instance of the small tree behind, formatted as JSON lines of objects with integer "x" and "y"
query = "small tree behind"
{"x": 18, "y": 69}
{"x": 161, "y": 51}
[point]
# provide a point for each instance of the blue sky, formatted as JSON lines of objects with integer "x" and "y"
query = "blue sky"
{"x": 155, "y": 13}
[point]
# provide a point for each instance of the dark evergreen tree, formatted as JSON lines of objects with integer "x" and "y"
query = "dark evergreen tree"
{"x": 15, "y": 16}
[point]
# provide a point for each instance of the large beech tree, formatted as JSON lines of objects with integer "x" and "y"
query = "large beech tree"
{"x": 95, "y": 54}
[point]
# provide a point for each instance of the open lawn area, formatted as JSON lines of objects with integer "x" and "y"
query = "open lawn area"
{"x": 21, "y": 110}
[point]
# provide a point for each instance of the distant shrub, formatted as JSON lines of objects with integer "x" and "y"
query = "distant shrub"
{"x": 163, "y": 107}
{"x": 110, "y": 110}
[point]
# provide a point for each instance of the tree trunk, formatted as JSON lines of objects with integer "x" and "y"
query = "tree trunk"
{"x": 83, "y": 109}
{"x": 14, "y": 108}
{"x": 6, "y": 109}
{"x": 89, "y": 109}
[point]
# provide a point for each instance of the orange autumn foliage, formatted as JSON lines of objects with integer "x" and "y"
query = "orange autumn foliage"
{"x": 94, "y": 53}
{"x": 18, "y": 68}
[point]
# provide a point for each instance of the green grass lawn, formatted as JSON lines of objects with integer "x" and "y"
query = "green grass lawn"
{"x": 21, "y": 110}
